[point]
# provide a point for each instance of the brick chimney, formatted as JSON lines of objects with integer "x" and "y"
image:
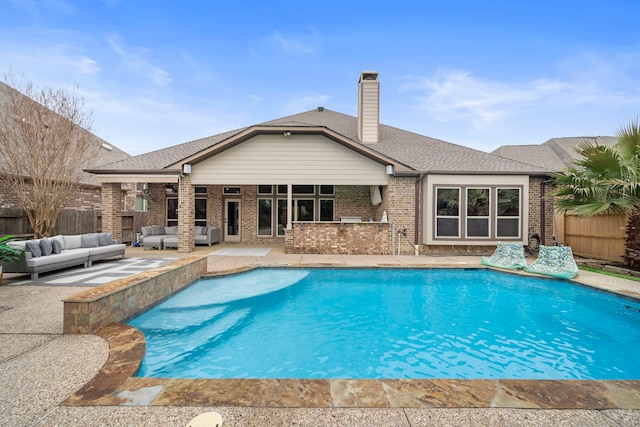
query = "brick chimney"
{"x": 369, "y": 107}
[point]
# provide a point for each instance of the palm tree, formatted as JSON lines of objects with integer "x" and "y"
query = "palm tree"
{"x": 605, "y": 180}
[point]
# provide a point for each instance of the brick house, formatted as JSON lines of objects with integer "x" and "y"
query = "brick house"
{"x": 325, "y": 182}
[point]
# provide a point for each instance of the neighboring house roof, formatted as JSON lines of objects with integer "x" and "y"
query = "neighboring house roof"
{"x": 555, "y": 154}
{"x": 419, "y": 153}
{"x": 108, "y": 153}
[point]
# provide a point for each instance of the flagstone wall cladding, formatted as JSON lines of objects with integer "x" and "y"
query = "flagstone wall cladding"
{"x": 122, "y": 299}
{"x": 350, "y": 238}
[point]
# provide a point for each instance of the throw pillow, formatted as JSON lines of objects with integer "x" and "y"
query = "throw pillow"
{"x": 146, "y": 231}
{"x": 103, "y": 240}
{"x": 204, "y": 230}
{"x": 110, "y": 239}
{"x": 156, "y": 230}
{"x": 171, "y": 230}
{"x": 90, "y": 241}
{"x": 73, "y": 242}
{"x": 198, "y": 230}
{"x": 45, "y": 246}
{"x": 56, "y": 245}
{"x": 59, "y": 238}
{"x": 33, "y": 246}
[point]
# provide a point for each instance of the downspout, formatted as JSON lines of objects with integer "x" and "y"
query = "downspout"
{"x": 418, "y": 210}
{"x": 543, "y": 227}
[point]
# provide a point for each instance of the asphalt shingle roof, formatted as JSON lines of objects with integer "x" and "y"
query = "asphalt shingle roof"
{"x": 555, "y": 154}
{"x": 421, "y": 153}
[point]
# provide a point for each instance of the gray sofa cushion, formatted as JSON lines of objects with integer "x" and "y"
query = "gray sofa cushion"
{"x": 104, "y": 238}
{"x": 106, "y": 249}
{"x": 56, "y": 246}
{"x": 156, "y": 230}
{"x": 73, "y": 241}
{"x": 33, "y": 246}
{"x": 59, "y": 238}
{"x": 146, "y": 231}
{"x": 81, "y": 255}
{"x": 89, "y": 240}
{"x": 171, "y": 230}
{"x": 46, "y": 247}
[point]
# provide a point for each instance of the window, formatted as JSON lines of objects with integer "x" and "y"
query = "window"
{"x": 282, "y": 216}
{"x": 508, "y": 212}
{"x": 231, "y": 190}
{"x": 201, "y": 212}
{"x": 200, "y": 190}
{"x": 142, "y": 204}
{"x": 326, "y": 210}
{"x": 265, "y": 217}
{"x": 469, "y": 212}
{"x": 327, "y": 190}
{"x": 448, "y": 212}
{"x": 478, "y": 212}
{"x": 298, "y": 189}
{"x": 265, "y": 189}
{"x": 172, "y": 211}
{"x": 306, "y": 202}
{"x": 304, "y": 210}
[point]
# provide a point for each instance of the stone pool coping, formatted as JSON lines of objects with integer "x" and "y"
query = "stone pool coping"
{"x": 115, "y": 384}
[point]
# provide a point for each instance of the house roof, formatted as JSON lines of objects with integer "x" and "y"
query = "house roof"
{"x": 555, "y": 154}
{"x": 108, "y": 153}
{"x": 417, "y": 152}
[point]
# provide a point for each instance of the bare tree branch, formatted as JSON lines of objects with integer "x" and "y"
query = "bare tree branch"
{"x": 45, "y": 141}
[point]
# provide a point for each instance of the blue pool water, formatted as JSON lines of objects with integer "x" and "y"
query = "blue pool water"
{"x": 390, "y": 323}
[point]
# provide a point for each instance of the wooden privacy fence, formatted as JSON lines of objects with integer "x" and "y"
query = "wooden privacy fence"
{"x": 16, "y": 223}
{"x": 601, "y": 237}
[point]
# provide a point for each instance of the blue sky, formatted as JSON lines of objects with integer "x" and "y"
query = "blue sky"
{"x": 476, "y": 73}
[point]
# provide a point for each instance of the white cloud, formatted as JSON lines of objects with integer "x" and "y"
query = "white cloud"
{"x": 134, "y": 60}
{"x": 458, "y": 95}
{"x": 294, "y": 43}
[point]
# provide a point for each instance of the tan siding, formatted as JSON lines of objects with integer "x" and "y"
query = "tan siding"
{"x": 369, "y": 109}
{"x": 297, "y": 159}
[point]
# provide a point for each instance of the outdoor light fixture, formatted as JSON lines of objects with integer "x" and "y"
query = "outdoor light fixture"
{"x": 186, "y": 169}
{"x": 287, "y": 133}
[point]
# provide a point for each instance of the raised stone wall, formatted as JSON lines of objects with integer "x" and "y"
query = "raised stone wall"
{"x": 92, "y": 309}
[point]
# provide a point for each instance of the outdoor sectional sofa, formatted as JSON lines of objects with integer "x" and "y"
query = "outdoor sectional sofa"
{"x": 155, "y": 236}
{"x": 49, "y": 254}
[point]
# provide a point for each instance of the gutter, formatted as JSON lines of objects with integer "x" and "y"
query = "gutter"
{"x": 418, "y": 209}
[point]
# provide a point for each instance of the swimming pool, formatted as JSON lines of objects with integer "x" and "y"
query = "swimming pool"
{"x": 390, "y": 323}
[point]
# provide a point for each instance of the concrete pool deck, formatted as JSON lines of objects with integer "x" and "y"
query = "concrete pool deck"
{"x": 44, "y": 373}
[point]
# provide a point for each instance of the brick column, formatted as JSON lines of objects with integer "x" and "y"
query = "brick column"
{"x": 186, "y": 214}
{"x": 400, "y": 203}
{"x": 112, "y": 209}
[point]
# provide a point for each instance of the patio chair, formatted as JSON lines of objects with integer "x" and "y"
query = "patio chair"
{"x": 555, "y": 261}
{"x": 208, "y": 419}
{"x": 509, "y": 255}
